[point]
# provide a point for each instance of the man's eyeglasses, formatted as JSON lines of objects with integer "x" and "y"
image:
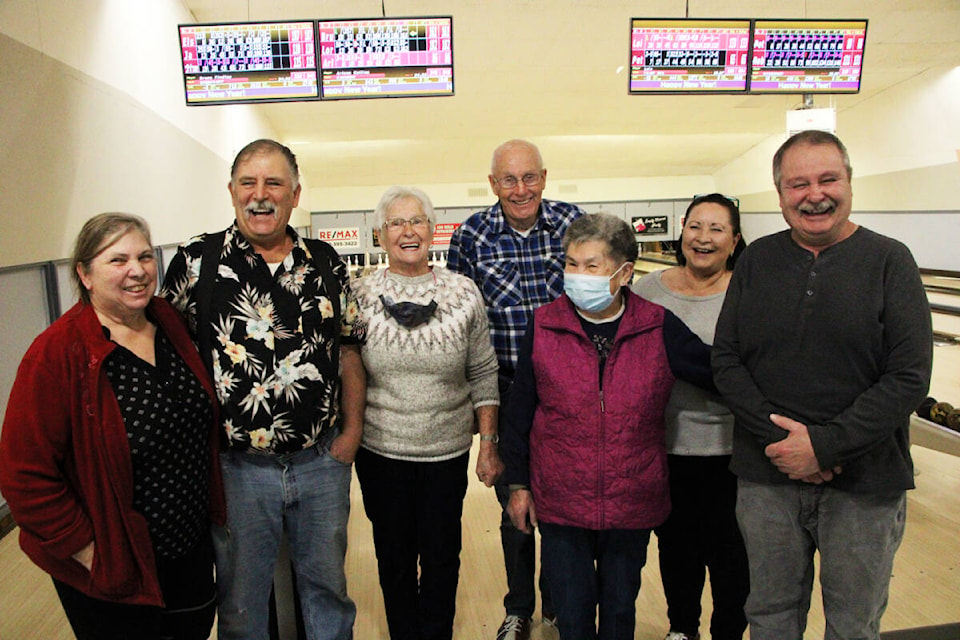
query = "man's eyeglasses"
{"x": 511, "y": 182}
{"x": 397, "y": 224}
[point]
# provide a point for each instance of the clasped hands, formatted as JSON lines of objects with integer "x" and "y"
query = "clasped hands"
{"x": 794, "y": 454}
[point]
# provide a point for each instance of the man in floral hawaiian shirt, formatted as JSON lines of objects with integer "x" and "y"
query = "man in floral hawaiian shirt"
{"x": 292, "y": 423}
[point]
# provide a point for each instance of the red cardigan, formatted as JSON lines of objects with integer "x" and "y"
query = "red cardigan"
{"x": 65, "y": 466}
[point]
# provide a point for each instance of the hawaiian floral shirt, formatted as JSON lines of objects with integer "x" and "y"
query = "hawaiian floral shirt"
{"x": 272, "y": 340}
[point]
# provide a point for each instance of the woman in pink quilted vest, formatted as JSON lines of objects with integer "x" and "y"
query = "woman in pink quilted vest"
{"x": 583, "y": 439}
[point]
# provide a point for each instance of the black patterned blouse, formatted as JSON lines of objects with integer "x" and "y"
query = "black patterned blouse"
{"x": 167, "y": 416}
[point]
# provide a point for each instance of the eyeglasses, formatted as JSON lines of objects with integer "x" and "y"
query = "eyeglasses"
{"x": 735, "y": 201}
{"x": 511, "y": 182}
{"x": 397, "y": 224}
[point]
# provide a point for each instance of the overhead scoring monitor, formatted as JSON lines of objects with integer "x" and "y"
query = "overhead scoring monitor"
{"x": 679, "y": 55}
{"x": 807, "y": 56}
{"x": 246, "y": 62}
{"x": 386, "y": 57}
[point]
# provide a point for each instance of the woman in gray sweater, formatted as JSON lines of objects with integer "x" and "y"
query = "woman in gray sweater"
{"x": 701, "y": 531}
{"x": 431, "y": 383}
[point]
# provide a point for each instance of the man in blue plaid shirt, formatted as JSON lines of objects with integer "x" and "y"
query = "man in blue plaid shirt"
{"x": 513, "y": 251}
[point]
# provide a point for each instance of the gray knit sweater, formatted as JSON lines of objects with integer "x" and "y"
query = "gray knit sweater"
{"x": 423, "y": 384}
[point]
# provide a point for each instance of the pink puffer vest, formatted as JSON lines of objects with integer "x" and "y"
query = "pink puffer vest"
{"x": 597, "y": 458}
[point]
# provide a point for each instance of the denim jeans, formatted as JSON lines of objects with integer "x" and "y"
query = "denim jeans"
{"x": 306, "y": 494}
{"x": 520, "y": 563}
{"x": 416, "y": 509}
{"x": 519, "y": 550}
{"x": 857, "y": 536}
{"x": 587, "y": 569}
{"x": 702, "y": 533}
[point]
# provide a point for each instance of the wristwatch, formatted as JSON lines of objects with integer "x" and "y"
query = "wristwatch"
{"x": 490, "y": 437}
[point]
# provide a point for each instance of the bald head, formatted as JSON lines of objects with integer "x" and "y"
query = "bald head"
{"x": 515, "y": 146}
{"x": 517, "y": 177}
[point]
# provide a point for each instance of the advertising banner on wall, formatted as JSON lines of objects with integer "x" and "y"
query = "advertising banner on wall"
{"x": 650, "y": 225}
{"x": 442, "y": 233}
{"x": 342, "y": 238}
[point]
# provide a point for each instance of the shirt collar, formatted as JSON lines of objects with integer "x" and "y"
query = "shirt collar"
{"x": 545, "y": 219}
{"x": 236, "y": 237}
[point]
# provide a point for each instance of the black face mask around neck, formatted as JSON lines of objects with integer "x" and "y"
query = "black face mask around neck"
{"x": 409, "y": 314}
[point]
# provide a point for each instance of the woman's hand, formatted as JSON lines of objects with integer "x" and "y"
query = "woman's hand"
{"x": 489, "y": 465}
{"x": 85, "y": 556}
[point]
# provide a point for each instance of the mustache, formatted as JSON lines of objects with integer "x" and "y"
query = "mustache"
{"x": 260, "y": 207}
{"x": 821, "y": 207}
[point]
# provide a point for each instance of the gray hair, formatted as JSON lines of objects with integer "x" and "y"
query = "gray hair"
{"x": 812, "y": 137}
{"x": 264, "y": 146}
{"x": 391, "y": 195}
{"x": 98, "y": 234}
{"x": 510, "y": 145}
{"x": 614, "y": 232}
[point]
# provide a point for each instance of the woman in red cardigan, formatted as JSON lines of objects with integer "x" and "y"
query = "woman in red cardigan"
{"x": 108, "y": 451}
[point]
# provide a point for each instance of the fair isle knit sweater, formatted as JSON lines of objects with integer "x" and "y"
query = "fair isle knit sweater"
{"x": 424, "y": 383}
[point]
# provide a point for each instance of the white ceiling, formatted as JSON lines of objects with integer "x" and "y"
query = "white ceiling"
{"x": 553, "y": 71}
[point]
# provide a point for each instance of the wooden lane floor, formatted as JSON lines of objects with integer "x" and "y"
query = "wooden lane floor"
{"x": 925, "y": 589}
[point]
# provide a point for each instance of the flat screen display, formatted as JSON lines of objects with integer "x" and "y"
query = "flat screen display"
{"x": 249, "y": 62}
{"x": 386, "y": 57}
{"x": 807, "y": 56}
{"x": 689, "y": 55}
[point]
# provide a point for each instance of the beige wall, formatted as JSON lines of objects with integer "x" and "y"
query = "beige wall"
{"x": 82, "y": 131}
{"x": 903, "y": 147}
{"x": 86, "y": 128}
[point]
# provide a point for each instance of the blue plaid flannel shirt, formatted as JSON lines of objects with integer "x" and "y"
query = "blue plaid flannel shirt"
{"x": 515, "y": 274}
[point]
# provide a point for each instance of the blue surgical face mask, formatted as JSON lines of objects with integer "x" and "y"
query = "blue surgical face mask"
{"x": 589, "y": 293}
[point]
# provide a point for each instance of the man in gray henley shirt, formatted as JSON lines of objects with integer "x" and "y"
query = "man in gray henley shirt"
{"x": 822, "y": 350}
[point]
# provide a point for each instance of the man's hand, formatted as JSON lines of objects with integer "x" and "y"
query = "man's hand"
{"x": 794, "y": 454}
{"x": 344, "y": 447}
{"x": 522, "y": 511}
{"x": 353, "y": 400}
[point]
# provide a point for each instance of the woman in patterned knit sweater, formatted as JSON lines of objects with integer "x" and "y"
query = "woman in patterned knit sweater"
{"x": 431, "y": 377}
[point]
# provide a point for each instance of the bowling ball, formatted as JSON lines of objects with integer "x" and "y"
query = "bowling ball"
{"x": 953, "y": 420}
{"x": 940, "y": 411}
{"x": 924, "y": 409}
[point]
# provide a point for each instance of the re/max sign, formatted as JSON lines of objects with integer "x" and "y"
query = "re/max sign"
{"x": 343, "y": 238}
{"x": 352, "y": 233}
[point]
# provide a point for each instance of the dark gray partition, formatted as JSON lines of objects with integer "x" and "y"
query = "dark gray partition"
{"x": 24, "y": 313}
{"x": 65, "y": 290}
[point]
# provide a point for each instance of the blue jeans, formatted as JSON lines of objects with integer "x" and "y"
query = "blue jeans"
{"x": 857, "y": 536}
{"x": 587, "y": 569}
{"x": 519, "y": 550}
{"x": 306, "y": 494}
